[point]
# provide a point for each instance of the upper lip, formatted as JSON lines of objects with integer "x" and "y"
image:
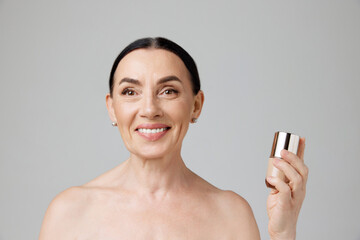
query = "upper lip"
{"x": 152, "y": 126}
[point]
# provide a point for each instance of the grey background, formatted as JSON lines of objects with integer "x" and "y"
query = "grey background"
{"x": 265, "y": 66}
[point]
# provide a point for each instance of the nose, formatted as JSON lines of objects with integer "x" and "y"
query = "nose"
{"x": 150, "y": 107}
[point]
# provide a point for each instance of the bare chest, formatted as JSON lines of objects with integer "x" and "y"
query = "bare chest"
{"x": 174, "y": 221}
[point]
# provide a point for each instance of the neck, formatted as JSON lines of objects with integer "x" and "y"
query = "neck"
{"x": 156, "y": 177}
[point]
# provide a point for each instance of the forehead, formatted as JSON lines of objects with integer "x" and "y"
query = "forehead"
{"x": 151, "y": 63}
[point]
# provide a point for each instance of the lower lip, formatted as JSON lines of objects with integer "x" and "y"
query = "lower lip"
{"x": 153, "y": 136}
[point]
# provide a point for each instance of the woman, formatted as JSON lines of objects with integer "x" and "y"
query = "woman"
{"x": 154, "y": 95}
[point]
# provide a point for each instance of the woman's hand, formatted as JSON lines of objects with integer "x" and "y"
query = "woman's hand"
{"x": 284, "y": 202}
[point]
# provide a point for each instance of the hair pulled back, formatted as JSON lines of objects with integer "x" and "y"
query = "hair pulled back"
{"x": 159, "y": 43}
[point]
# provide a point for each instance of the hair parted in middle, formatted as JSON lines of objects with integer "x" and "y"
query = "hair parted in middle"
{"x": 159, "y": 43}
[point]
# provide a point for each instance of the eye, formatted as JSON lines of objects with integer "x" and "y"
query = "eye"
{"x": 128, "y": 92}
{"x": 170, "y": 91}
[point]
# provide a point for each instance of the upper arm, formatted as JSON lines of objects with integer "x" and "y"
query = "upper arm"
{"x": 60, "y": 215}
{"x": 242, "y": 217}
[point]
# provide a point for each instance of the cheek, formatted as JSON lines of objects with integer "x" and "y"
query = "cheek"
{"x": 124, "y": 113}
{"x": 179, "y": 111}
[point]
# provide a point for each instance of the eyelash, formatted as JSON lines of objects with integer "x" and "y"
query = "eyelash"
{"x": 127, "y": 92}
{"x": 171, "y": 90}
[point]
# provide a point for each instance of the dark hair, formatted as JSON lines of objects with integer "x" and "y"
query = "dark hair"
{"x": 160, "y": 43}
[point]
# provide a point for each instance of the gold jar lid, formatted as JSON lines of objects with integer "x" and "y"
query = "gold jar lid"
{"x": 284, "y": 140}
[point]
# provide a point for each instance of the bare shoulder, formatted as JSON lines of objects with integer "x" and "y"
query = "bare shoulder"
{"x": 70, "y": 199}
{"x": 227, "y": 199}
{"x": 238, "y": 214}
{"x": 232, "y": 211}
{"x": 234, "y": 202}
{"x": 62, "y": 212}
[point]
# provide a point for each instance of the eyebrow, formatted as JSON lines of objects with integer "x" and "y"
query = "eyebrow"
{"x": 161, "y": 81}
{"x": 168, "y": 79}
{"x": 130, "y": 80}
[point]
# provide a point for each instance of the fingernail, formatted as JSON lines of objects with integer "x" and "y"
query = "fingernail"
{"x": 284, "y": 152}
{"x": 276, "y": 161}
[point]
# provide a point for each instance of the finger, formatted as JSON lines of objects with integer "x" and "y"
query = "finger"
{"x": 296, "y": 181}
{"x": 296, "y": 162}
{"x": 301, "y": 149}
{"x": 283, "y": 189}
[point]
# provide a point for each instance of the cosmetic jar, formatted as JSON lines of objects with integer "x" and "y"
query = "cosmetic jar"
{"x": 282, "y": 140}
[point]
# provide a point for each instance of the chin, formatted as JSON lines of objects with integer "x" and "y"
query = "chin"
{"x": 149, "y": 155}
{"x": 153, "y": 153}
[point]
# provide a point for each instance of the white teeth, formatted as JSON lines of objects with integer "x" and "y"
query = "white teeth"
{"x": 156, "y": 130}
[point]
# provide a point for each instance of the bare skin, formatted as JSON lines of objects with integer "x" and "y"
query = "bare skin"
{"x": 108, "y": 209}
{"x": 153, "y": 195}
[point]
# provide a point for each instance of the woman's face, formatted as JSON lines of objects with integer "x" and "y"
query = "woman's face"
{"x": 153, "y": 102}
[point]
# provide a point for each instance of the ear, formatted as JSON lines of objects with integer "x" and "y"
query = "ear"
{"x": 198, "y": 104}
{"x": 110, "y": 107}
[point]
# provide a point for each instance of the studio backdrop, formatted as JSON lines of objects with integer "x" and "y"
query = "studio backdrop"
{"x": 265, "y": 66}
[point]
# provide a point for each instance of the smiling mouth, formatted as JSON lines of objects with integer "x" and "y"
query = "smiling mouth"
{"x": 152, "y": 133}
{"x": 152, "y": 130}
